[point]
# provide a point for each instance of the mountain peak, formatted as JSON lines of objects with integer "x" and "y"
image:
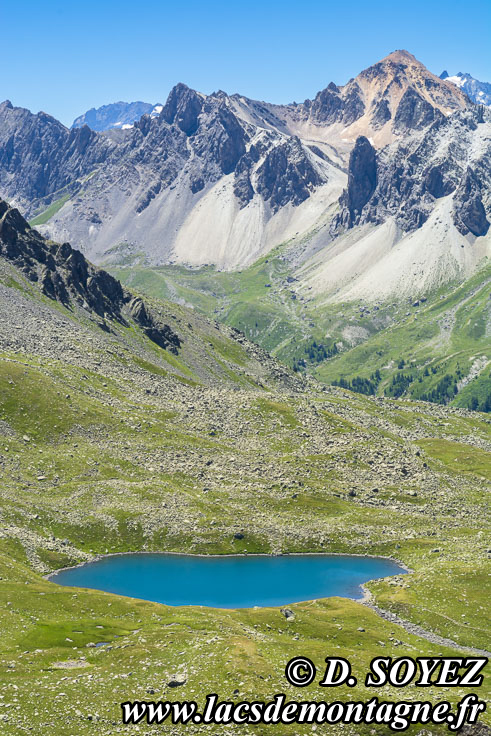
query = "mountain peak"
{"x": 183, "y": 107}
{"x": 390, "y": 98}
{"x": 401, "y": 56}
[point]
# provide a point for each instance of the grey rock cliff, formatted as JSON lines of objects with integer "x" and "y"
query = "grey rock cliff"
{"x": 469, "y": 212}
{"x": 287, "y": 175}
{"x": 362, "y": 181}
{"x": 406, "y": 179}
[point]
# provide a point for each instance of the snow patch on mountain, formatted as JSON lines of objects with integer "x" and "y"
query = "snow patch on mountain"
{"x": 117, "y": 115}
{"x": 478, "y": 92}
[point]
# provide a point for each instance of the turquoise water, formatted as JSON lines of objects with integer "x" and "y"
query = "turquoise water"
{"x": 229, "y": 581}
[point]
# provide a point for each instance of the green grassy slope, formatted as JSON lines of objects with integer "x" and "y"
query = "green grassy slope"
{"x": 43, "y": 217}
{"x": 94, "y": 465}
{"x": 447, "y": 336}
{"x": 110, "y": 444}
{"x": 439, "y": 350}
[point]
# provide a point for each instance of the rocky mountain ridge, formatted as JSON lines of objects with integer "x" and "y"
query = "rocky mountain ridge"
{"x": 64, "y": 275}
{"x": 407, "y": 178}
{"x": 159, "y": 171}
{"x": 390, "y": 99}
{"x": 213, "y": 178}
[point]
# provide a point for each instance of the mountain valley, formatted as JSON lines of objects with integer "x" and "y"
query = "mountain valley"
{"x": 314, "y": 228}
{"x": 113, "y": 440}
{"x": 235, "y": 327}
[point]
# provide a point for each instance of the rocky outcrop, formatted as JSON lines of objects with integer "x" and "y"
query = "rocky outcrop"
{"x": 287, "y": 175}
{"x": 405, "y": 180}
{"x": 469, "y": 214}
{"x": 243, "y": 188}
{"x": 183, "y": 108}
{"x": 39, "y": 156}
{"x": 381, "y": 112}
{"x": 63, "y": 274}
{"x": 414, "y": 112}
{"x": 354, "y": 105}
{"x": 439, "y": 180}
{"x": 330, "y": 105}
{"x": 221, "y": 138}
{"x": 362, "y": 176}
{"x": 162, "y": 335}
{"x": 327, "y": 106}
{"x": 362, "y": 181}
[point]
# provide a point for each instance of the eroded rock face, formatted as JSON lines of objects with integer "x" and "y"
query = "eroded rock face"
{"x": 330, "y": 106}
{"x": 63, "y": 274}
{"x": 406, "y": 180}
{"x": 469, "y": 214}
{"x": 362, "y": 181}
{"x": 362, "y": 175}
{"x": 327, "y": 105}
{"x": 287, "y": 175}
{"x": 183, "y": 107}
{"x": 39, "y": 156}
{"x": 381, "y": 113}
{"x": 414, "y": 112}
{"x": 354, "y": 107}
{"x": 221, "y": 138}
{"x": 243, "y": 188}
{"x": 438, "y": 180}
{"x": 162, "y": 335}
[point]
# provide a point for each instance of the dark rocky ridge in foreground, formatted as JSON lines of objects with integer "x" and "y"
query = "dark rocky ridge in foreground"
{"x": 64, "y": 274}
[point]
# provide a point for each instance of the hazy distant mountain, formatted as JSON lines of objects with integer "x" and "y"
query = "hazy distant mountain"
{"x": 479, "y": 92}
{"x": 116, "y": 115}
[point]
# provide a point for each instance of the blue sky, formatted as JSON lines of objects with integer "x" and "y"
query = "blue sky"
{"x": 65, "y": 57}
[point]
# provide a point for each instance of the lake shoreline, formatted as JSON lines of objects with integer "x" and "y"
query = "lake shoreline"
{"x": 363, "y": 599}
{"x": 411, "y": 628}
